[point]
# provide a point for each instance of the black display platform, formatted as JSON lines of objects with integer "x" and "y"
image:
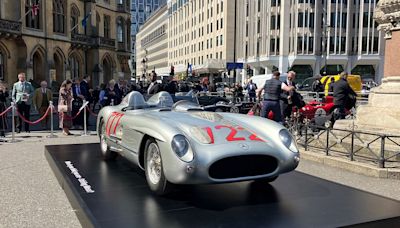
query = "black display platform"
{"x": 121, "y": 198}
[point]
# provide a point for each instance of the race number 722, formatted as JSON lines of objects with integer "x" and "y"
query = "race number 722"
{"x": 232, "y": 136}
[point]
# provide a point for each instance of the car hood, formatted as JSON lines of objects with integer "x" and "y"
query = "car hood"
{"x": 221, "y": 127}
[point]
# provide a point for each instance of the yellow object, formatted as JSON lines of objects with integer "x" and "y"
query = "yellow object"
{"x": 353, "y": 80}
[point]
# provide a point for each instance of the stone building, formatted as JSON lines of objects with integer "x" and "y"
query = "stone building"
{"x": 152, "y": 45}
{"x": 50, "y": 42}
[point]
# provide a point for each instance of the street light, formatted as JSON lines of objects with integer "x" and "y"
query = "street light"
{"x": 144, "y": 65}
{"x": 326, "y": 28}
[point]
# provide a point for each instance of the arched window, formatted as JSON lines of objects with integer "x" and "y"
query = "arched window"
{"x": 107, "y": 20}
{"x": 74, "y": 19}
{"x": 74, "y": 64}
{"x": 33, "y": 18}
{"x": 59, "y": 14}
{"x": 120, "y": 30}
{"x": 2, "y": 66}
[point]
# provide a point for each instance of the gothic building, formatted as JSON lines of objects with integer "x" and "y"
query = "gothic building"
{"x": 64, "y": 39}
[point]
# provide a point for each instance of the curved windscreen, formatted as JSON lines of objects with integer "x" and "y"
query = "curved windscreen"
{"x": 161, "y": 99}
{"x": 134, "y": 100}
{"x": 185, "y": 105}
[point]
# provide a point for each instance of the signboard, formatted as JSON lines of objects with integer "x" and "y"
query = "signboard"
{"x": 233, "y": 66}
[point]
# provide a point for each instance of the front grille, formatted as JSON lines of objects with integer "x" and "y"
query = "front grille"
{"x": 243, "y": 166}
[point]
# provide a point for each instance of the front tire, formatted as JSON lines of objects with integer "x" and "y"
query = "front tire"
{"x": 104, "y": 147}
{"x": 154, "y": 169}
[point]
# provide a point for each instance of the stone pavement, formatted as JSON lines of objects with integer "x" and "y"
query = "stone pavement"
{"x": 31, "y": 196}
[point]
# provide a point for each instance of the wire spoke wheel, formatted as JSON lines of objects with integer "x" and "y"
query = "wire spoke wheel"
{"x": 154, "y": 164}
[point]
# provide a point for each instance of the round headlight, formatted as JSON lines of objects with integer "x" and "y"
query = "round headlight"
{"x": 288, "y": 140}
{"x": 180, "y": 145}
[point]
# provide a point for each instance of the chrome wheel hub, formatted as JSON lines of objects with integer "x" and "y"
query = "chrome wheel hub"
{"x": 154, "y": 165}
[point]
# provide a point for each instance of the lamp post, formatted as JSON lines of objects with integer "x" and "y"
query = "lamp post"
{"x": 326, "y": 28}
{"x": 144, "y": 65}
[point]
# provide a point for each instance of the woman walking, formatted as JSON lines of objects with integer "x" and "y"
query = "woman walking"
{"x": 65, "y": 106}
{"x": 3, "y": 119}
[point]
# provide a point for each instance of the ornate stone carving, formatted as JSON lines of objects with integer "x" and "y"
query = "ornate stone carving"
{"x": 387, "y": 15}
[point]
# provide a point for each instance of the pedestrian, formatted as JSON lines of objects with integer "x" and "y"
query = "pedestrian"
{"x": 286, "y": 101}
{"x": 77, "y": 103}
{"x": 251, "y": 90}
{"x": 3, "y": 99}
{"x": 120, "y": 90}
{"x": 171, "y": 86}
{"x": 103, "y": 89}
{"x": 22, "y": 93}
{"x": 272, "y": 91}
{"x": 41, "y": 102}
{"x": 344, "y": 97}
{"x": 154, "y": 86}
{"x": 65, "y": 106}
{"x": 110, "y": 95}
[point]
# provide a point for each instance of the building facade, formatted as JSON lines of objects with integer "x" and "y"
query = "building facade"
{"x": 64, "y": 39}
{"x": 141, "y": 10}
{"x": 303, "y": 35}
{"x": 152, "y": 45}
{"x": 201, "y": 33}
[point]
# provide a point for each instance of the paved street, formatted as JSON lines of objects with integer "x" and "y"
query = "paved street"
{"x": 31, "y": 196}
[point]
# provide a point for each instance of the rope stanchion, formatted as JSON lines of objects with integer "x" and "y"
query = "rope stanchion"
{"x": 51, "y": 106}
{"x": 13, "y": 121}
{"x": 61, "y": 114}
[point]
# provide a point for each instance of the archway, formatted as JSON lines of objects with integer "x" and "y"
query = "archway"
{"x": 107, "y": 70}
{"x": 59, "y": 67}
{"x": 38, "y": 67}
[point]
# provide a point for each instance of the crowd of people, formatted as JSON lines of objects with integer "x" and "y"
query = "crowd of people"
{"x": 278, "y": 97}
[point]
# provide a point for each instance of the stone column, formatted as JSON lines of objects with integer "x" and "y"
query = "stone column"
{"x": 382, "y": 113}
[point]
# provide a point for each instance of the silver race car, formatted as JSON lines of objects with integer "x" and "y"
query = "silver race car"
{"x": 182, "y": 144}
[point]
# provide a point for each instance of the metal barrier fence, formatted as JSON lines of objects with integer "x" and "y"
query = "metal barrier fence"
{"x": 379, "y": 148}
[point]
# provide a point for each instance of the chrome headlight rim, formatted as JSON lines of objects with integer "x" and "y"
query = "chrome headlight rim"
{"x": 288, "y": 140}
{"x": 181, "y": 147}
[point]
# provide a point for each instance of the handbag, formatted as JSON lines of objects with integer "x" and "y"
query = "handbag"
{"x": 62, "y": 108}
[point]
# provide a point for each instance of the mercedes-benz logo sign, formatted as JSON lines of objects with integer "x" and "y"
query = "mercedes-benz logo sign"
{"x": 244, "y": 146}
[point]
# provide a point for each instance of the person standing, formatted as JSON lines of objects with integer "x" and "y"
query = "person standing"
{"x": 154, "y": 86}
{"x": 41, "y": 101}
{"x": 343, "y": 96}
{"x": 286, "y": 101}
{"x": 77, "y": 104}
{"x": 120, "y": 90}
{"x": 22, "y": 94}
{"x": 3, "y": 119}
{"x": 110, "y": 95}
{"x": 65, "y": 106}
{"x": 251, "y": 90}
{"x": 272, "y": 92}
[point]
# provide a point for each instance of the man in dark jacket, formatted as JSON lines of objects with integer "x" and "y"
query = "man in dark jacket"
{"x": 343, "y": 94}
{"x": 154, "y": 86}
{"x": 272, "y": 93}
{"x": 286, "y": 101}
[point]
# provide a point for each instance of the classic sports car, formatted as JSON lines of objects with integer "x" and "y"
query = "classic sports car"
{"x": 182, "y": 144}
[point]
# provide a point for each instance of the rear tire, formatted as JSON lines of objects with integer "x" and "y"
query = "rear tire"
{"x": 154, "y": 169}
{"x": 105, "y": 149}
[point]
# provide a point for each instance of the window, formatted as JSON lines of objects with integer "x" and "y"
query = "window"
{"x": 1, "y": 66}
{"x": 222, "y": 23}
{"x": 59, "y": 12}
{"x": 221, "y": 40}
{"x": 74, "y": 20}
{"x": 33, "y": 21}
{"x": 258, "y": 26}
{"x": 74, "y": 64}
{"x": 107, "y": 26}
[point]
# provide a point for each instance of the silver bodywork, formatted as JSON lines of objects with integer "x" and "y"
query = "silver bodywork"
{"x": 128, "y": 130}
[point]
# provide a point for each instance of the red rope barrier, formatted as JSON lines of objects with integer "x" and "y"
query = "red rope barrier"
{"x": 65, "y": 116}
{"x": 34, "y": 122}
{"x": 91, "y": 112}
{"x": 5, "y": 111}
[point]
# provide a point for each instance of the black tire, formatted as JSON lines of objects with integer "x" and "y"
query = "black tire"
{"x": 266, "y": 179}
{"x": 158, "y": 184}
{"x": 107, "y": 154}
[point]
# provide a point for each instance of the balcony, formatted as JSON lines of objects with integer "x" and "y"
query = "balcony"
{"x": 10, "y": 28}
{"x": 122, "y": 8}
{"x": 82, "y": 41}
{"x": 106, "y": 42}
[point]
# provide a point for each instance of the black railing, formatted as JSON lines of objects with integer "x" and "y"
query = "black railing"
{"x": 363, "y": 146}
{"x": 106, "y": 42}
{"x": 82, "y": 39}
{"x": 11, "y": 27}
